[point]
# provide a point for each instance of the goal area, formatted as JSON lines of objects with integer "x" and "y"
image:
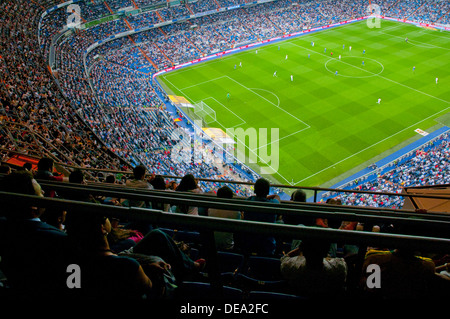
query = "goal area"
{"x": 205, "y": 112}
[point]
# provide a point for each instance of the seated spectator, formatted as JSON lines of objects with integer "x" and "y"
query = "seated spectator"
{"x": 35, "y": 255}
{"x": 5, "y": 169}
{"x": 77, "y": 177}
{"x": 188, "y": 184}
{"x": 139, "y": 181}
{"x": 311, "y": 272}
{"x": 260, "y": 244}
{"x": 224, "y": 240}
{"x": 158, "y": 243}
{"x": 298, "y": 196}
{"x": 159, "y": 183}
{"x": 110, "y": 179}
{"x": 403, "y": 274}
{"x": 105, "y": 274}
{"x": 45, "y": 171}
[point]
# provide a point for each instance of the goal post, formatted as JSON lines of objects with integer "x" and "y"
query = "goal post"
{"x": 205, "y": 112}
{"x": 199, "y": 111}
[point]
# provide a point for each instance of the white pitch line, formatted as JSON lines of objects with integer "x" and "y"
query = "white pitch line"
{"x": 415, "y": 124}
{"x": 200, "y": 83}
{"x": 282, "y": 138}
{"x": 243, "y": 121}
{"x": 242, "y": 143}
{"x": 385, "y": 78}
{"x": 422, "y": 44}
{"x": 268, "y": 101}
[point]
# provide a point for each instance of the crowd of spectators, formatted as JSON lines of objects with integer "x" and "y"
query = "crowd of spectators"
{"x": 123, "y": 120}
{"x": 36, "y": 117}
{"x": 162, "y": 46}
{"x": 107, "y": 108}
{"x": 426, "y": 166}
{"x": 125, "y": 259}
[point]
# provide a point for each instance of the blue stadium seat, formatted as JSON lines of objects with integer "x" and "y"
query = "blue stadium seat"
{"x": 229, "y": 265}
{"x": 230, "y": 262}
{"x": 189, "y": 237}
{"x": 263, "y": 268}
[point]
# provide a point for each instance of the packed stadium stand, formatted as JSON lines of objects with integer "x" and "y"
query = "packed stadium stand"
{"x": 79, "y": 107}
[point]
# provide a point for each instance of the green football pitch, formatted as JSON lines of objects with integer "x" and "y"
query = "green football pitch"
{"x": 327, "y": 116}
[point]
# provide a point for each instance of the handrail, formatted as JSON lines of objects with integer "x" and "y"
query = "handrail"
{"x": 311, "y": 188}
{"x": 122, "y": 191}
{"x": 332, "y": 212}
{"x": 205, "y": 223}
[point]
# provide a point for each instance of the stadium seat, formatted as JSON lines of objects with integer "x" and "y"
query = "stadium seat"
{"x": 230, "y": 262}
{"x": 229, "y": 265}
{"x": 189, "y": 237}
{"x": 248, "y": 283}
{"x": 263, "y": 268}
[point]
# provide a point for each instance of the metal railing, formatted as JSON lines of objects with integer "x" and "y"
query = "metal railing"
{"x": 207, "y": 225}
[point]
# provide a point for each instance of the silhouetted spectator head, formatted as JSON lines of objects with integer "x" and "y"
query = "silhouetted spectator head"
{"x": 262, "y": 187}
{"x": 22, "y": 182}
{"x": 110, "y": 179}
{"x": 314, "y": 251}
{"x": 46, "y": 164}
{"x": 5, "y": 169}
{"x": 77, "y": 176}
{"x": 158, "y": 182}
{"x": 225, "y": 192}
{"x": 187, "y": 183}
{"x": 298, "y": 196}
{"x": 139, "y": 172}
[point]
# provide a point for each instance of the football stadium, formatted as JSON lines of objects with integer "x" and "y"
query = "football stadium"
{"x": 246, "y": 155}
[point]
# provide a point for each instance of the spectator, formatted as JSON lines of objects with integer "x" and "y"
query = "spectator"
{"x": 5, "y": 169}
{"x": 311, "y": 272}
{"x": 260, "y": 244}
{"x": 77, "y": 177}
{"x": 298, "y": 196}
{"x": 35, "y": 255}
{"x": 111, "y": 179}
{"x": 139, "y": 181}
{"x": 188, "y": 184}
{"x": 45, "y": 171}
{"x": 403, "y": 274}
{"x": 158, "y": 243}
{"x": 105, "y": 274}
{"x": 224, "y": 240}
{"x": 159, "y": 183}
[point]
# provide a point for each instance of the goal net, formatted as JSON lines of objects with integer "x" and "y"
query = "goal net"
{"x": 206, "y": 113}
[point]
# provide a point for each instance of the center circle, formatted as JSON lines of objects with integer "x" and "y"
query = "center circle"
{"x": 354, "y": 67}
